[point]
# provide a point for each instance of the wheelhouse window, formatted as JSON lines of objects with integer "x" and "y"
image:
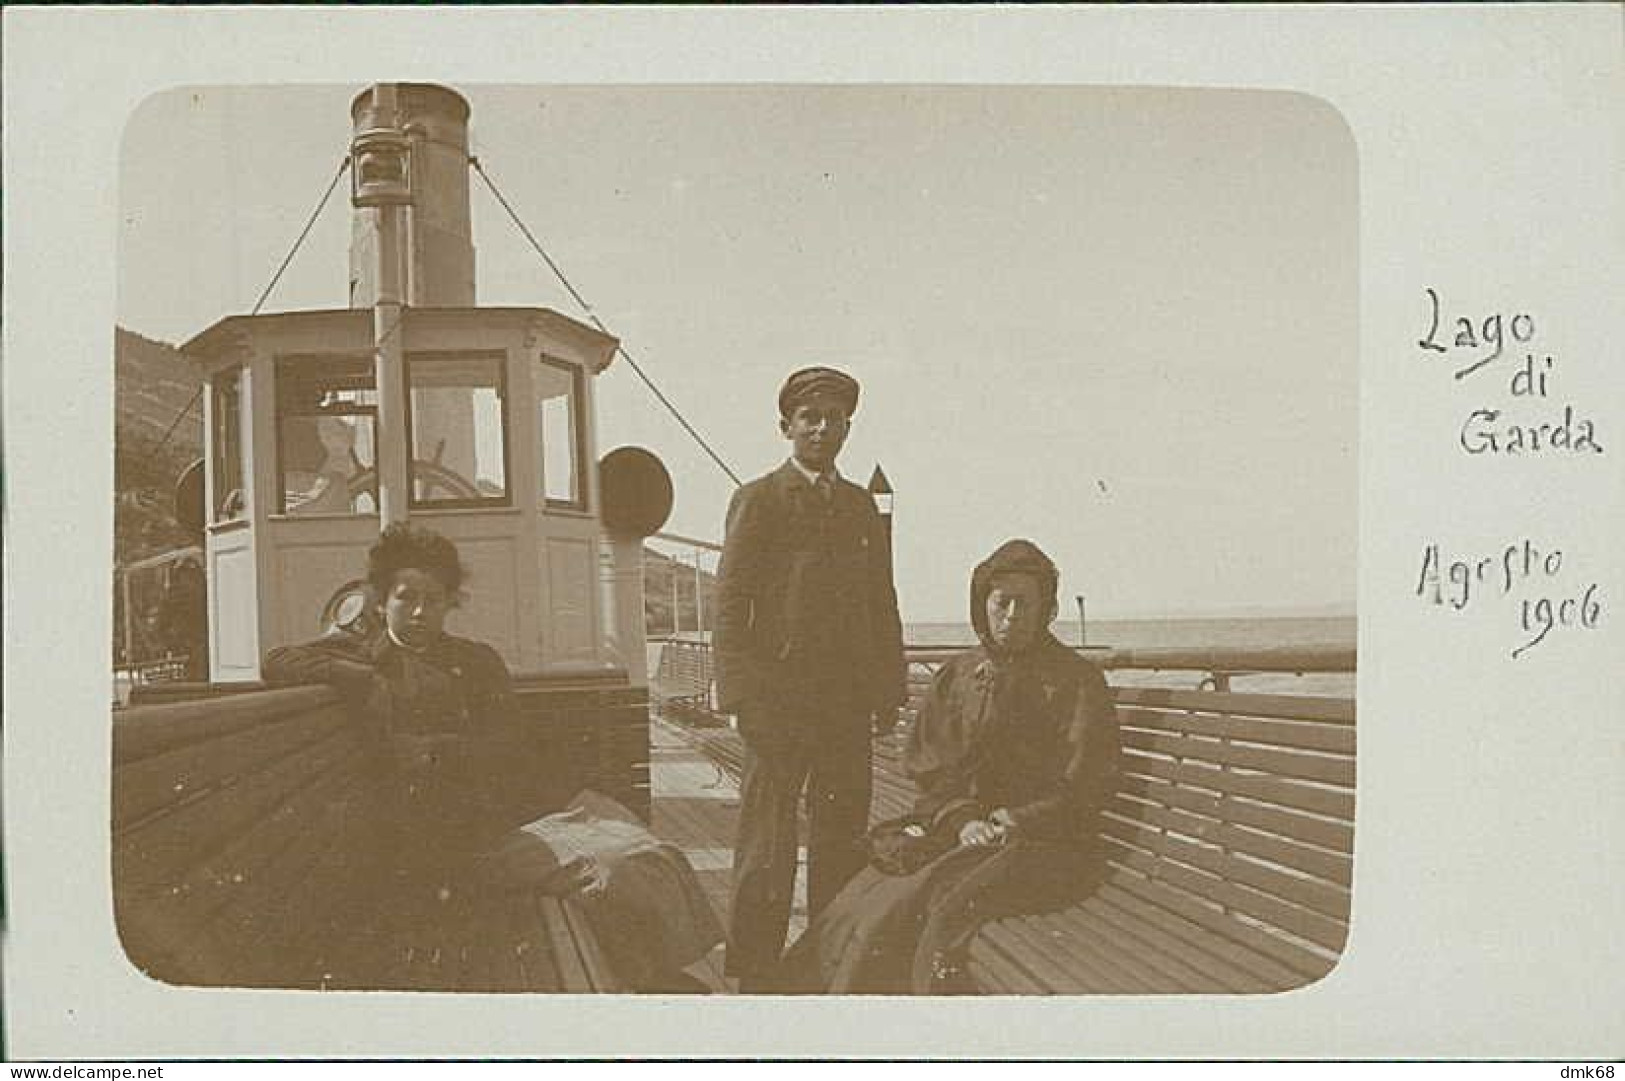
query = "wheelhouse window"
{"x": 327, "y": 417}
{"x": 227, "y": 502}
{"x": 458, "y": 429}
{"x": 559, "y": 398}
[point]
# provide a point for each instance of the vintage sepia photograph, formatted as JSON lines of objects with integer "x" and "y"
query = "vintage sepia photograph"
{"x": 857, "y": 532}
{"x": 727, "y": 540}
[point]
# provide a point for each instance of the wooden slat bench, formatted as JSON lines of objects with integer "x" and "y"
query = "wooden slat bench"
{"x": 1229, "y": 843}
{"x": 1230, "y": 856}
{"x": 239, "y": 823}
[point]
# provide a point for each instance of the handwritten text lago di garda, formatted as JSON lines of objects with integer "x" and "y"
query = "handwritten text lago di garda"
{"x": 1480, "y": 341}
{"x": 1548, "y": 596}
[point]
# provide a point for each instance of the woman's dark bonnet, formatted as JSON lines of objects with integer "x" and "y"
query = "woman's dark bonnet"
{"x": 1012, "y": 557}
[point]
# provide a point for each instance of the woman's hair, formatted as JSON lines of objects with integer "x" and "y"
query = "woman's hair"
{"x": 403, "y": 546}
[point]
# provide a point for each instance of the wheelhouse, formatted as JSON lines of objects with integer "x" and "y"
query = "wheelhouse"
{"x": 323, "y": 426}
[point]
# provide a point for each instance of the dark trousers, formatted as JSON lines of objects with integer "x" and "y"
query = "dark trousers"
{"x": 786, "y": 752}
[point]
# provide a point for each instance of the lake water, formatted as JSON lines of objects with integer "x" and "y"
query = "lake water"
{"x": 1237, "y": 633}
{"x": 1248, "y": 633}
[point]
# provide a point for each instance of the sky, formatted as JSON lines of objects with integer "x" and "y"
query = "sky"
{"x": 1120, "y": 323}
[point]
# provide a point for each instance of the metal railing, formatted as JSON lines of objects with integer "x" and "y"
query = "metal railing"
{"x": 692, "y": 578}
{"x": 141, "y": 653}
{"x": 685, "y": 674}
{"x": 1216, "y": 666}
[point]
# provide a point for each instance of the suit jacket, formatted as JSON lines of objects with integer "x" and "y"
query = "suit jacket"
{"x": 806, "y": 609}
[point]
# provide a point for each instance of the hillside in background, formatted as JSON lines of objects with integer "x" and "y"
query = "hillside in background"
{"x": 154, "y": 388}
{"x": 153, "y": 383}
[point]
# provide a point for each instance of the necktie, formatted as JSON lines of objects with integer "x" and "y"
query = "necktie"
{"x": 825, "y": 486}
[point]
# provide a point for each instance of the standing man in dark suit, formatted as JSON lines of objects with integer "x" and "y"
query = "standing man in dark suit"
{"x": 809, "y": 648}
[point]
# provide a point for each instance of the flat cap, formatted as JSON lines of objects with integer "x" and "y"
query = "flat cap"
{"x": 811, "y": 382}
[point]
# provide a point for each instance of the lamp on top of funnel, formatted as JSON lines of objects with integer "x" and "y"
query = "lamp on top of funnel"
{"x": 381, "y": 173}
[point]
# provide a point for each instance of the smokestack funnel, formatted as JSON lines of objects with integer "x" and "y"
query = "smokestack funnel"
{"x": 410, "y": 147}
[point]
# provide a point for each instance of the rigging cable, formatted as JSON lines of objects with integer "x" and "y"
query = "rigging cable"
{"x": 258, "y": 304}
{"x": 579, "y": 299}
{"x": 303, "y": 233}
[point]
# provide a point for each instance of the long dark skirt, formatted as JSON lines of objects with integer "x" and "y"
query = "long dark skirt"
{"x": 909, "y": 934}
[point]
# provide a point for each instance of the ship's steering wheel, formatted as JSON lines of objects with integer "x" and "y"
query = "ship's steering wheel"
{"x": 427, "y": 477}
{"x": 432, "y": 480}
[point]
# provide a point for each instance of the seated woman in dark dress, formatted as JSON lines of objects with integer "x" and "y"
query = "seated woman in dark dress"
{"x": 445, "y": 767}
{"x": 439, "y": 712}
{"x": 465, "y": 799}
{"x": 1013, "y": 754}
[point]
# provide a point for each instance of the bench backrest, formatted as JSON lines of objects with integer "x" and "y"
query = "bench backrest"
{"x": 229, "y": 817}
{"x": 244, "y": 825}
{"x": 1241, "y": 805}
{"x": 1234, "y": 811}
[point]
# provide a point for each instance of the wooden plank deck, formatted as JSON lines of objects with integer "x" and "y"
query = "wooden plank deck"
{"x": 696, "y": 806}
